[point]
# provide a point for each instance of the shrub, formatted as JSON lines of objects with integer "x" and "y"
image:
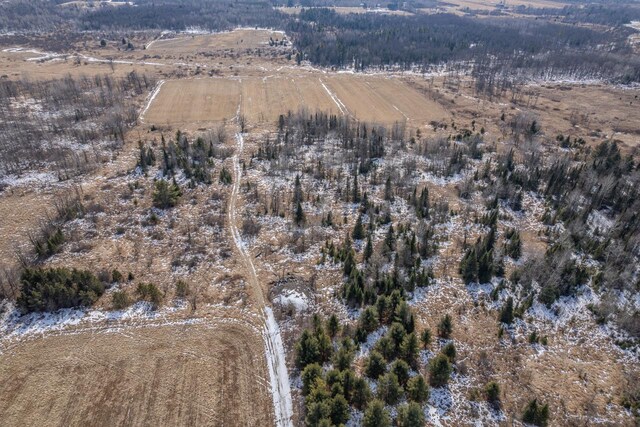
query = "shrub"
{"x": 165, "y": 195}
{"x": 225, "y": 176}
{"x": 182, "y": 289}
{"x": 150, "y": 293}
{"x": 120, "y": 300}
{"x": 445, "y": 327}
{"x": 425, "y": 338}
{"x": 449, "y": 350}
{"x": 56, "y": 288}
{"x": 492, "y": 391}
{"x": 116, "y": 276}
{"x": 536, "y": 414}
{"x": 49, "y": 244}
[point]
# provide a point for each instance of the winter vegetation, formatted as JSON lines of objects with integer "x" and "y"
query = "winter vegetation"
{"x": 405, "y": 214}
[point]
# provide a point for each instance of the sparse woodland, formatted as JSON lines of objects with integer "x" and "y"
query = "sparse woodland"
{"x": 533, "y": 235}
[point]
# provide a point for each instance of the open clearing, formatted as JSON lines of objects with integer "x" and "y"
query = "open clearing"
{"x": 168, "y": 375}
{"x": 374, "y": 99}
{"x": 240, "y": 38}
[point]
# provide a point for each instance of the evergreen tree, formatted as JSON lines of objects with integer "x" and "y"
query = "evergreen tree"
{"x": 410, "y": 415}
{"x": 376, "y": 365}
{"x": 401, "y": 369}
{"x": 376, "y": 415}
{"x": 358, "y": 229}
{"x": 445, "y": 327}
{"x": 300, "y": 217}
{"x": 449, "y": 350}
{"x": 333, "y": 326}
{"x": 506, "y": 314}
{"x": 409, "y": 349}
{"x": 165, "y": 195}
{"x": 339, "y": 410}
{"x": 309, "y": 375}
{"x": 425, "y": 338}
{"x": 307, "y": 350}
{"x": 492, "y": 391}
{"x": 439, "y": 370}
{"x": 369, "y": 321}
{"x": 389, "y": 389}
{"x": 361, "y": 393}
{"x": 418, "y": 389}
{"x": 536, "y": 414}
{"x": 368, "y": 249}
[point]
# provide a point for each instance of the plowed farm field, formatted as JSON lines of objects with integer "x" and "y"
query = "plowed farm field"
{"x": 203, "y": 375}
{"x": 263, "y": 99}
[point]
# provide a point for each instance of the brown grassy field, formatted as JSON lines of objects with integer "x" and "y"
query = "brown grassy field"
{"x": 240, "y": 38}
{"x": 195, "y": 101}
{"x": 211, "y": 374}
{"x": 375, "y": 99}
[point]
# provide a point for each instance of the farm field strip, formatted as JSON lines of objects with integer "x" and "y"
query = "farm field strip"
{"x": 210, "y": 100}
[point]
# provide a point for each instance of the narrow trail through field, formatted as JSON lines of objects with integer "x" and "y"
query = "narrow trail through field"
{"x": 274, "y": 348}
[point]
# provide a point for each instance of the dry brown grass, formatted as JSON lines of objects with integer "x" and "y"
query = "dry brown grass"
{"x": 212, "y": 374}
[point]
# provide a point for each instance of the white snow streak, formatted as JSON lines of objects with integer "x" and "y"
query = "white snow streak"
{"x": 274, "y": 349}
{"x": 151, "y": 98}
{"x": 341, "y": 106}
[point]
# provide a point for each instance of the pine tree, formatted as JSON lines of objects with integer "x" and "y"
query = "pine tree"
{"x": 300, "y": 217}
{"x": 389, "y": 389}
{"x": 506, "y": 314}
{"x": 410, "y": 415}
{"x": 358, "y": 229}
{"x": 425, "y": 338}
{"x": 449, "y": 350}
{"x": 361, "y": 393}
{"x": 409, "y": 350}
{"x": 401, "y": 369}
{"x": 439, "y": 370}
{"x": 376, "y": 365}
{"x": 536, "y": 414}
{"x": 309, "y": 375}
{"x": 492, "y": 391}
{"x": 376, "y": 415}
{"x": 333, "y": 326}
{"x": 445, "y": 327}
{"x": 368, "y": 249}
{"x": 339, "y": 410}
{"x": 418, "y": 389}
{"x": 307, "y": 350}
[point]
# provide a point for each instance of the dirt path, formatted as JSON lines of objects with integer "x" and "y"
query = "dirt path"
{"x": 278, "y": 375}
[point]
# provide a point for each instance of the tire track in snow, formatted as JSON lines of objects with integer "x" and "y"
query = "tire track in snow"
{"x": 150, "y": 100}
{"x": 274, "y": 349}
{"x": 338, "y": 102}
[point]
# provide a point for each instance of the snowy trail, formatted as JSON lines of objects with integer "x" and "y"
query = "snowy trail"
{"x": 274, "y": 349}
{"x": 150, "y": 100}
{"x": 336, "y": 100}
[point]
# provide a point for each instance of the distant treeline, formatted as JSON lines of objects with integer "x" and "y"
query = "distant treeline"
{"x": 373, "y": 41}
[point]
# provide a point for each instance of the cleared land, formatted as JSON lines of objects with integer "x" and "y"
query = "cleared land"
{"x": 374, "y": 99}
{"x": 171, "y": 375}
{"x": 195, "y": 101}
{"x": 241, "y": 38}
{"x": 383, "y": 100}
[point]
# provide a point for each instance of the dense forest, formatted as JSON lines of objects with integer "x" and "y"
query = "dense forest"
{"x": 513, "y": 47}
